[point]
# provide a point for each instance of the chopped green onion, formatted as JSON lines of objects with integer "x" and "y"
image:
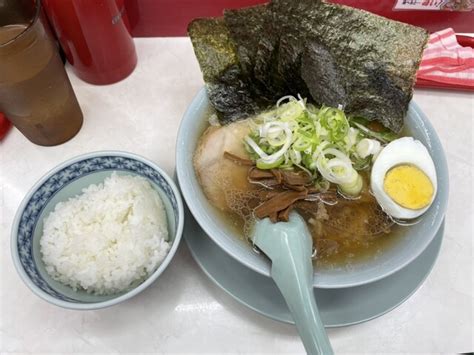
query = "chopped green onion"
{"x": 368, "y": 147}
{"x": 335, "y": 123}
{"x": 386, "y": 136}
{"x": 359, "y": 163}
{"x": 263, "y": 165}
{"x": 322, "y": 185}
{"x": 295, "y": 156}
{"x": 353, "y": 189}
{"x": 321, "y": 141}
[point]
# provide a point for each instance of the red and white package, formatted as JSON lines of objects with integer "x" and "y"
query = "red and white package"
{"x": 445, "y": 61}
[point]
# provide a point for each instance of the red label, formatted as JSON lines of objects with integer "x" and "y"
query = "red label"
{"x": 435, "y": 5}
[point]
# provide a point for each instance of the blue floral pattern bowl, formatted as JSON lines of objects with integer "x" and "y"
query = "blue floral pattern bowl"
{"x": 68, "y": 180}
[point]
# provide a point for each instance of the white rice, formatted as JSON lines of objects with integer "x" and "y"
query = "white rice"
{"x": 107, "y": 239}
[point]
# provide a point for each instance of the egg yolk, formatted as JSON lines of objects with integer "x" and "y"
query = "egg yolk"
{"x": 408, "y": 186}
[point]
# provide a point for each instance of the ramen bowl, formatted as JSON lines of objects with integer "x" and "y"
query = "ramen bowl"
{"x": 409, "y": 244}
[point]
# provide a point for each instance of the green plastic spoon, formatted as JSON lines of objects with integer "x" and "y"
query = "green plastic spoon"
{"x": 289, "y": 246}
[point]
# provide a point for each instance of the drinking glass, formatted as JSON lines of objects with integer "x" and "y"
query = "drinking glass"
{"x": 35, "y": 92}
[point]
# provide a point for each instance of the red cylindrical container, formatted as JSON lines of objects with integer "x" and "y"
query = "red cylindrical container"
{"x": 95, "y": 38}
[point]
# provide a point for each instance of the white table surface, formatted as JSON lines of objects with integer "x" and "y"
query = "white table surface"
{"x": 184, "y": 311}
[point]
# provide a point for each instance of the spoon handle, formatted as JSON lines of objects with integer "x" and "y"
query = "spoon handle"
{"x": 299, "y": 297}
{"x": 289, "y": 245}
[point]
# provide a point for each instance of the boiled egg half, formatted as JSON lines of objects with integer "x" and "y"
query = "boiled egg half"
{"x": 403, "y": 178}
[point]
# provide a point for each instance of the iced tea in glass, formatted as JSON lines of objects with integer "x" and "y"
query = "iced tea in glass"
{"x": 35, "y": 92}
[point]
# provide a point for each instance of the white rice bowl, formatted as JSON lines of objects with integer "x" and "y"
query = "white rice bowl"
{"x": 109, "y": 238}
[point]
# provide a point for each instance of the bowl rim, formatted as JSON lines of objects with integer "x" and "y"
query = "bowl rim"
{"x": 186, "y": 189}
{"x": 131, "y": 293}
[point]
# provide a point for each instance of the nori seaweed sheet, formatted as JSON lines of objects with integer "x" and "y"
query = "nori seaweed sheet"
{"x": 250, "y": 30}
{"x": 287, "y": 56}
{"x": 373, "y": 59}
{"x": 322, "y": 76}
{"x": 229, "y": 90}
{"x": 331, "y": 53}
{"x": 245, "y": 27}
{"x": 266, "y": 65}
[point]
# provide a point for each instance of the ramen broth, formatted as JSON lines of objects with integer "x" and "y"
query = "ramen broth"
{"x": 349, "y": 231}
{"x": 349, "y": 234}
{"x": 336, "y": 246}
